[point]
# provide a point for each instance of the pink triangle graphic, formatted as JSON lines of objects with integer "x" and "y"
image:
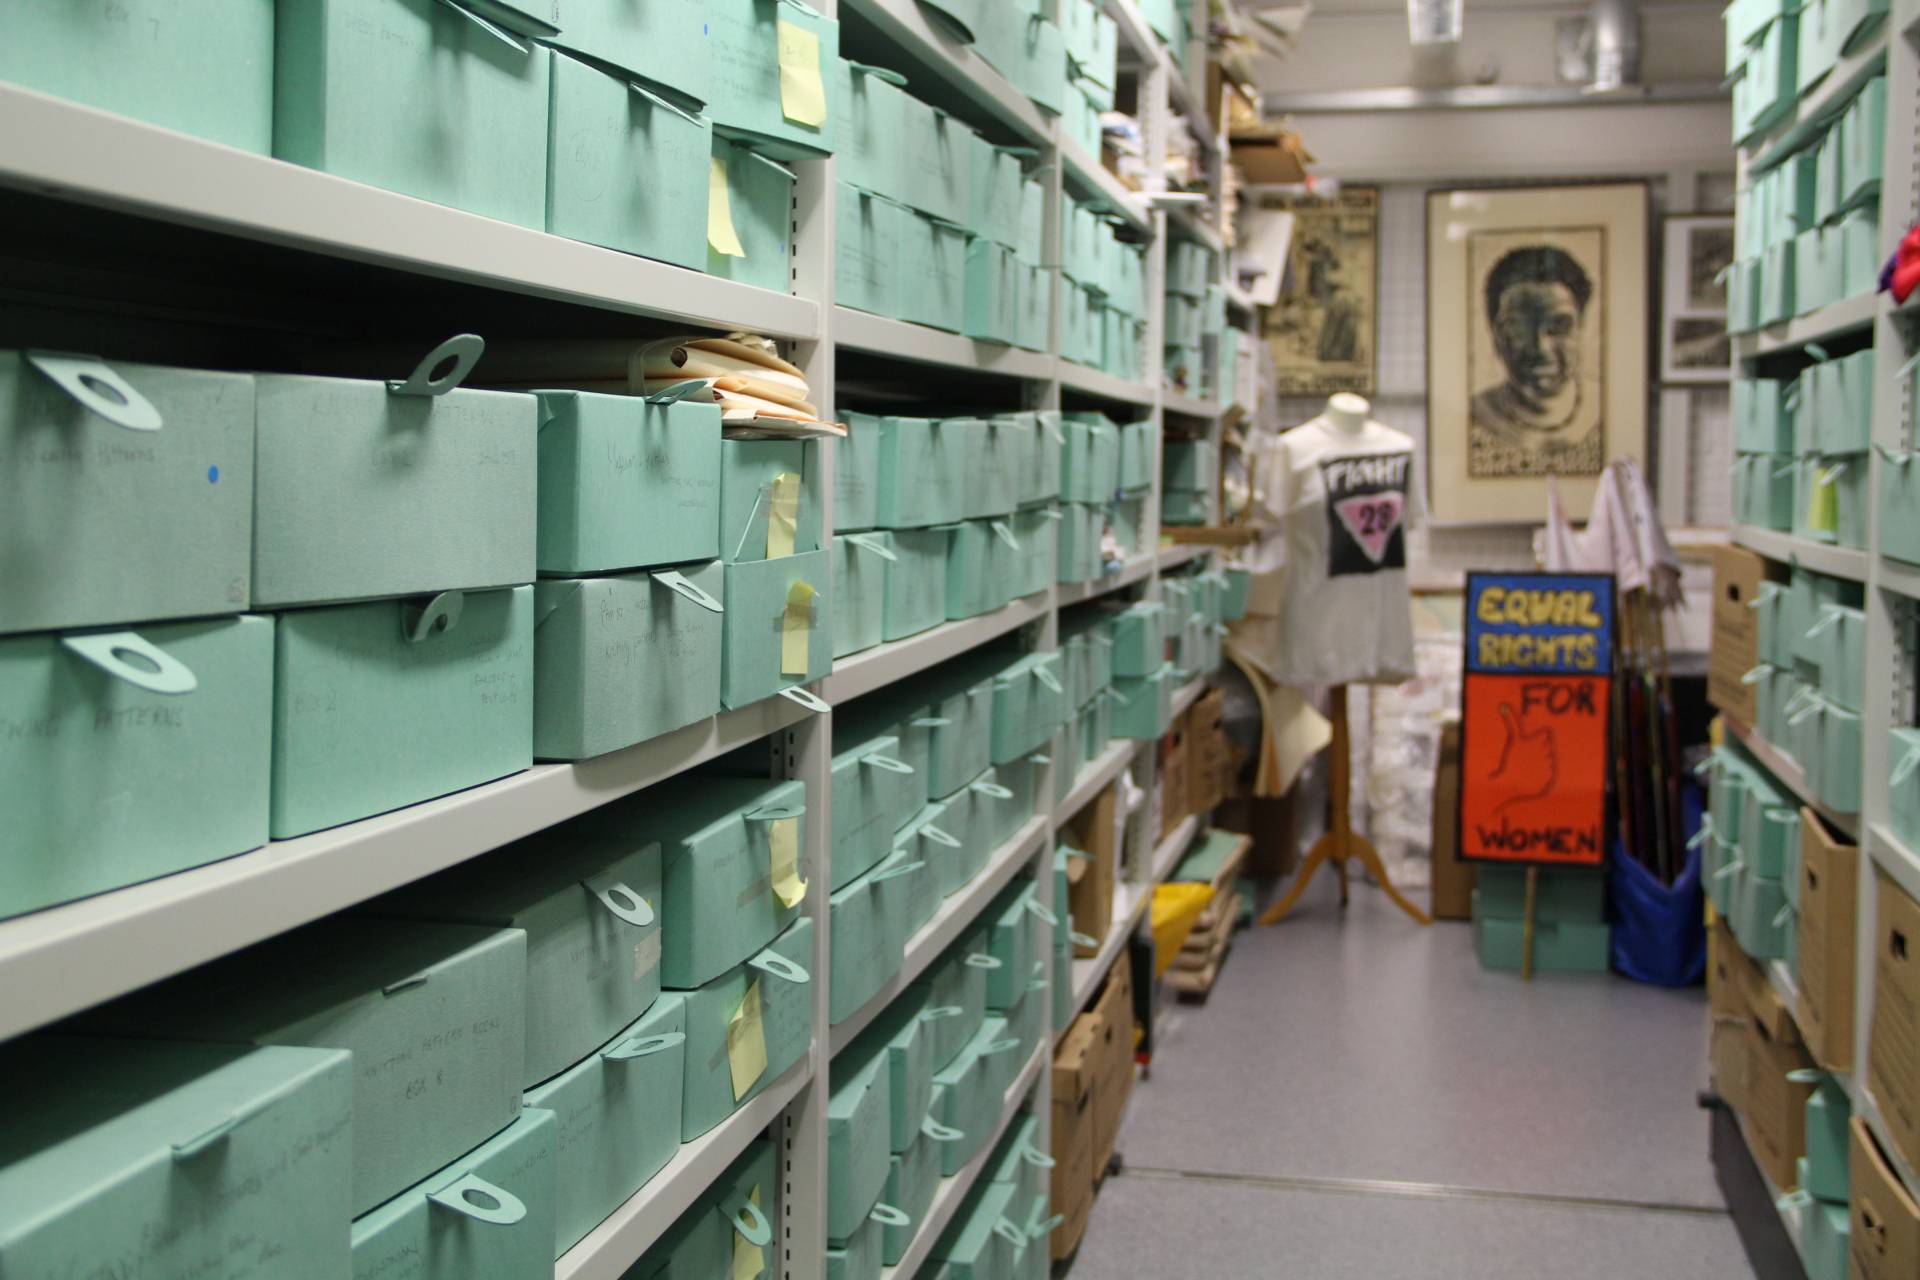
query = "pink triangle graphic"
{"x": 1371, "y": 518}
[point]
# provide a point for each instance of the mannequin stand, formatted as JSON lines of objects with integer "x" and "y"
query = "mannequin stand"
{"x": 1341, "y": 842}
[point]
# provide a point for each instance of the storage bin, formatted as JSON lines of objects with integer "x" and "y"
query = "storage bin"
{"x": 867, "y": 130}
{"x": 1759, "y": 423}
{"x": 778, "y": 628}
{"x": 960, "y": 738}
{"x": 1767, "y": 90}
{"x": 392, "y": 702}
{"x": 618, "y": 1113}
{"x": 1138, "y": 646}
{"x": 982, "y": 562}
{"x": 626, "y": 168}
{"x": 866, "y": 271}
{"x": 1034, "y": 568}
{"x": 1143, "y": 706}
{"x": 995, "y": 197}
{"x": 769, "y": 499}
{"x": 875, "y": 794}
{"x": 857, "y": 1140}
{"x": 746, "y": 1028}
{"x": 1089, "y": 459}
{"x": 626, "y": 482}
{"x": 1899, "y": 506}
{"x": 933, "y": 255}
{"x": 859, "y": 590}
{"x": 587, "y": 895}
{"x": 1178, "y": 506}
{"x": 1759, "y": 915}
{"x": 920, "y": 473}
{"x": 131, "y": 1157}
{"x": 773, "y": 75}
{"x": 1835, "y": 775}
{"x": 898, "y": 1037}
{"x": 433, "y": 1014}
{"x": 1136, "y": 455}
{"x": 173, "y": 722}
{"x": 913, "y": 582}
{"x": 982, "y": 1243}
{"x": 759, "y": 194}
{"x": 1842, "y": 633}
{"x": 748, "y": 1198}
{"x": 937, "y": 153}
{"x": 489, "y": 1214}
{"x": 1013, "y": 937}
{"x": 662, "y": 44}
{"x": 958, "y": 980}
{"x": 128, "y": 489}
{"x": 1817, "y": 269}
{"x": 1001, "y": 445}
{"x": 913, "y": 1179}
{"x": 965, "y": 1097}
{"x": 856, "y": 474}
{"x": 623, "y": 659}
{"x": 1776, "y": 300}
{"x": 363, "y": 491}
{"x": 1077, "y": 550}
{"x": 859, "y": 1256}
{"x": 734, "y": 866}
{"x": 421, "y": 97}
{"x": 1191, "y": 465}
{"x": 1839, "y": 510}
{"x": 1560, "y": 946}
{"x": 869, "y": 921}
{"x": 1035, "y": 306}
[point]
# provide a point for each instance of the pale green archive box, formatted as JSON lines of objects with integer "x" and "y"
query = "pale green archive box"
{"x": 392, "y": 702}
{"x": 433, "y": 1014}
{"x": 626, "y": 482}
{"x": 868, "y": 921}
{"x": 994, "y": 460}
{"x": 174, "y": 723}
{"x": 587, "y": 895}
{"x": 933, "y": 255}
{"x": 763, "y": 53}
{"x": 724, "y": 896}
{"x": 990, "y": 292}
{"x": 913, "y": 1180}
{"x": 982, "y": 566}
{"x": 366, "y": 489}
{"x": 626, "y": 168}
{"x": 769, "y": 495}
{"x": 866, "y": 265}
{"x": 922, "y": 470}
{"x": 779, "y": 631}
{"x": 866, "y": 128}
{"x": 126, "y": 491}
{"x": 203, "y": 67}
{"x": 916, "y": 582}
{"x": 859, "y": 589}
{"x": 856, "y": 474}
{"x": 132, "y": 1159}
{"x": 760, "y": 198}
{"x": 661, "y": 43}
{"x": 619, "y": 1120}
{"x": 425, "y": 97}
{"x": 486, "y": 1216}
{"x": 623, "y": 659}
{"x": 857, "y": 1139}
{"x": 779, "y": 982}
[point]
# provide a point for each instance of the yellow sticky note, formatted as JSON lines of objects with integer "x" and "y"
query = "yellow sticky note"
{"x": 803, "y": 96}
{"x": 749, "y": 1259}
{"x": 1823, "y": 512}
{"x": 720, "y": 232}
{"x": 783, "y": 518}
{"x": 784, "y": 841}
{"x": 746, "y": 1043}
{"x": 796, "y": 630}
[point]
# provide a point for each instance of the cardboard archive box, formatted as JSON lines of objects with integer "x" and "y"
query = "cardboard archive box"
{"x": 1828, "y": 928}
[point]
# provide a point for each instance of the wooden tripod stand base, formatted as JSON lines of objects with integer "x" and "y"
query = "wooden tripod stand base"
{"x": 1341, "y": 843}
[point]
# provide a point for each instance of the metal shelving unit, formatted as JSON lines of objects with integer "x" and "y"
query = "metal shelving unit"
{"x": 1849, "y": 315}
{"x": 1822, "y": 557}
{"x": 58, "y": 962}
{"x": 1788, "y": 770}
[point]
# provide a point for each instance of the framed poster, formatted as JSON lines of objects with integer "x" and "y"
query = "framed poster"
{"x": 1536, "y": 714}
{"x": 1696, "y": 251}
{"x": 1536, "y": 346}
{"x": 1321, "y": 330}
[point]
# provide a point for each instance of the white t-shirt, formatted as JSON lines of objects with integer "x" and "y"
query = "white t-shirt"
{"x": 1344, "y": 500}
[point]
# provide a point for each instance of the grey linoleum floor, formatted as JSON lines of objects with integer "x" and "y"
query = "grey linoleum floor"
{"x": 1547, "y": 1129}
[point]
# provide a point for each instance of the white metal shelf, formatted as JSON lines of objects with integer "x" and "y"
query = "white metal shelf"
{"x": 1134, "y": 32}
{"x": 1093, "y": 382}
{"x": 1129, "y": 903}
{"x": 1192, "y": 406}
{"x": 871, "y": 669}
{"x": 1890, "y": 853}
{"x": 1135, "y": 570}
{"x": 953, "y": 1190}
{"x": 1187, "y": 694}
{"x": 63, "y": 149}
{"x": 1822, "y": 557}
{"x": 899, "y": 340}
{"x": 1788, "y": 771}
{"x": 1897, "y": 576}
{"x": 1089, "y": 174}
{"x": 907, "y": 24}
{"x": 1183, "y": 218}
{"x": 611, "y": 1249}
{"x": 955, "y": 916}
{"x": 1817, "y": 109}
{"x": 1175, "y": 554}
{"x": 1167, "y": 854}
{"x": 68, "y": 958}
{"x": 1848, "y": 315}
{"x": 1097, "y": 773}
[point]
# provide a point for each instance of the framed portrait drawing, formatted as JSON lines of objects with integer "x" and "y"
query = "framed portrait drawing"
{"x": 1536, "y": 346}
{"x": 1696, "y": 251}
{"x": 1321, "y": 330}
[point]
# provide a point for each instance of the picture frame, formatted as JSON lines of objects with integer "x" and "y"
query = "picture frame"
{"x": 1537, "y": 352}
{"x": 1322, "y": 329}
{"x": 1696, "y": 250}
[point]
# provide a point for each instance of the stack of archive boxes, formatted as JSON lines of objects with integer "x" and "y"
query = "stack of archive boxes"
{"x": 1144, "y": 678}
{"x": 1809, "y": 683}
{"x": 1103, "y": 295}
{"x": 1808, "y": 227}
{"x": 1086, "y": 648}
{"x": 1190, "y": 272}
{"x": 1024, "y": 47}
{"x": 623, "y": 130}
{"x": 1570, "y": 919}
{"x": 939, "y": 519}
{"x": 1800, "y": 463}
{"x": 1093, "y": 64}
{"x": 1090, "y": 457}
{"x": 1750, "y": 854}
{"x": 1196, "y": 612}
{"x": 921, "y": 197}
{"x": 1190, "y": 474}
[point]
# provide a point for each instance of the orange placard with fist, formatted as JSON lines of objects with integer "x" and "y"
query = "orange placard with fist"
{"x": 1536, "y": 702}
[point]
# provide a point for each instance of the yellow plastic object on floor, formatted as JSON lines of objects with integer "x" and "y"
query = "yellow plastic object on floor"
{"x": 1176, "y": 909}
